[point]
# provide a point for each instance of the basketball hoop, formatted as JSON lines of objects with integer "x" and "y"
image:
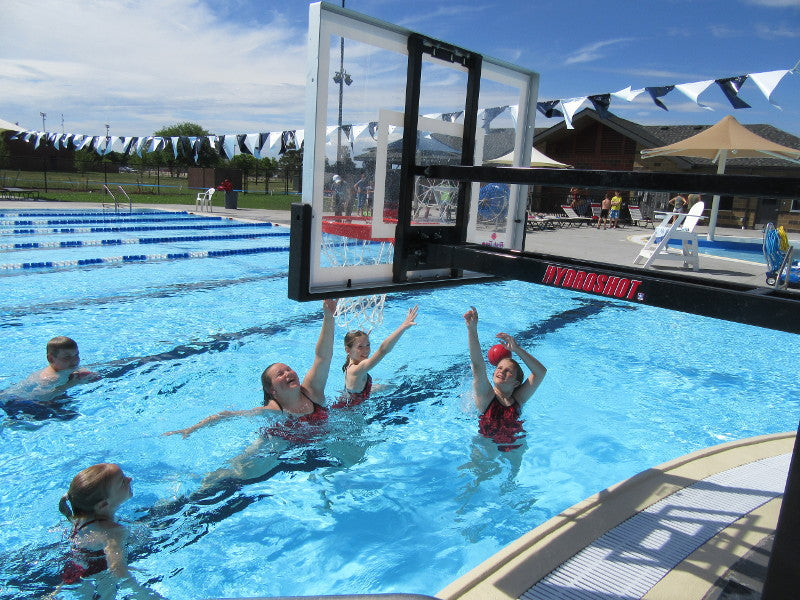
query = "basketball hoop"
{"x": 348, "y": 241}
{"x": 362, "y": 312}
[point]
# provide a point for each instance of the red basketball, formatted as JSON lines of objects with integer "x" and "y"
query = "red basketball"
{"x": 497, "y": 353}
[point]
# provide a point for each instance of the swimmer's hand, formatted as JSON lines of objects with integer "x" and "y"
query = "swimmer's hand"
{"x": 184, "y": 432}
{"x": 84, "y": 376}
{"x": 509, "y": 342}
{"x": 471, "y": 317}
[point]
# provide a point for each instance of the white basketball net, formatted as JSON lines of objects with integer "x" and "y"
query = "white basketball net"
{"x": 362, "y": 312}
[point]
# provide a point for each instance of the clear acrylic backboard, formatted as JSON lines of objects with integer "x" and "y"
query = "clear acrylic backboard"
{"x": 357, "y": 93}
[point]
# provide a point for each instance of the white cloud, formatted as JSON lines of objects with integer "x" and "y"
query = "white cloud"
{"x": 781, "y": 31}
{"x": 592, "y": 51}
{"x": 724, "y": 31}
{"x": 776, "y": 3}
{"x": 141, "y": 61}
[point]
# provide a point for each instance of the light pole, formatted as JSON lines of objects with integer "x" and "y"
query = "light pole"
{"x": 44, "y": 116}
{"x": 341, "y": 77}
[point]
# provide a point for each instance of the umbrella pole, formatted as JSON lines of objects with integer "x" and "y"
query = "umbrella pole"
{"x": 712, "y": 221}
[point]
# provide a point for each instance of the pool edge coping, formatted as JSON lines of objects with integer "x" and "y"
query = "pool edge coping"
{"x": 514, "y": 569}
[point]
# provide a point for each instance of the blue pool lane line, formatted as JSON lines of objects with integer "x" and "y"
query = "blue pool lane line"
{"x": 50, "y": 264}
{"x": 31, "y": 223}
{"x": 46, "y": 231}
{"x": 155, "y": 240}
{"x": 89, "y": 213}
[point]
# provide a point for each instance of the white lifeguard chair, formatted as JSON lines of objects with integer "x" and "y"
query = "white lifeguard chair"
{"x": 681, "y": 229}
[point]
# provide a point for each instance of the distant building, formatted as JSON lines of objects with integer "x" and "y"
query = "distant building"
{"x": 22, "y": 156}
{"x": 615, "y": 144}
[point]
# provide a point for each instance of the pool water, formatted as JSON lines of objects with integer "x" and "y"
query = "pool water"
{"x": 751, "y": 252}
{"x": 399, "y": 494}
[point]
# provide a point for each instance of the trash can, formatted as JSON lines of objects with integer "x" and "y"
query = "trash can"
{"x": 231, "y": 199}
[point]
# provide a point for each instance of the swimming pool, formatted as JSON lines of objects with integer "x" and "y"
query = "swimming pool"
{"x": 399, "y": 494}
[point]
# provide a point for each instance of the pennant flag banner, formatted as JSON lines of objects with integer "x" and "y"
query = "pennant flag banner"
{"x": 261, "y": 144}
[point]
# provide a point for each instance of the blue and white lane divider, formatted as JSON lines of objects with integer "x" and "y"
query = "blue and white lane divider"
{"x": 155, "y": 240}
{"x": 89, "y": 213}
{"x": 131, "y": 258}
{"x": 47, "y": 231}
{"x": 16, "y": 223}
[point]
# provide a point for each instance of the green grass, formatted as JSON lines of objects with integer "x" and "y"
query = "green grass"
{"x": 250, "y": 200}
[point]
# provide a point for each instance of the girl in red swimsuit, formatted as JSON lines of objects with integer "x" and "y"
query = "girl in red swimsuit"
{"x": 357, "y": 380}
{"x": 98, "y": 541}
{"x": 500, "y": 400}
{"x": 283, "y": 390}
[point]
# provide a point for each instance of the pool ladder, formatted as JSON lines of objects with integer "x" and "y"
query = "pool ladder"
{"x": 117, "y": 202}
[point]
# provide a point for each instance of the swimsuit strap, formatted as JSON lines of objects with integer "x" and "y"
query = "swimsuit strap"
{"x": 76, "y": 529}
{"x": 302, "y": 392}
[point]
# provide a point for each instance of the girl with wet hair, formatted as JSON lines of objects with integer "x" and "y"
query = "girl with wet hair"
{"x": 500, "y": 400}
{"x": 98, "y": 541}
{"x": 359, "y": 361}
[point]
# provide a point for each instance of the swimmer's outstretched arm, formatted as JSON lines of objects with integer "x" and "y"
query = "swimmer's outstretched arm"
{"x": 317, "y": 375}
{"x": 386, "y": 345}
{"x": 225, "y": 414}
{"x": 482, "y": 389}
{"x": 538, "y": 370}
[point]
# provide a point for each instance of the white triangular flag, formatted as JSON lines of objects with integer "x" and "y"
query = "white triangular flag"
{"x": 767, "y": 82}
{"x": 693, "y": 90}
{"x": 570, "y": 107}
{"x": 358, "y": 130}
{"x": 229, "y": 146}
{"x": 627, "y": 93}
{"x": 251, "y": 143}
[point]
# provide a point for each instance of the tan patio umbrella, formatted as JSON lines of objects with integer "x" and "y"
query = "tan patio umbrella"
{"x": 538, "y": 159}
{"x": 726, "y": 140}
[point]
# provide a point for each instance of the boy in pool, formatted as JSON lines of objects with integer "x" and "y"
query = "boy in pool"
{"x": 34, "y": 396}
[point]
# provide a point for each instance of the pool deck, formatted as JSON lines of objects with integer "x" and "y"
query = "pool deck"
{"x": 610, "y": 246}
{"x": 678, "y": 530}
{"x": 717, "y": 567}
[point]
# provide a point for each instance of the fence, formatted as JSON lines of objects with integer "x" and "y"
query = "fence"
{"x": 146, "y": 178}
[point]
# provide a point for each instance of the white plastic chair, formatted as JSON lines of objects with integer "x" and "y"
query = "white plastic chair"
{"x": 204, "y": 200}
{"x": 682, "y": 229}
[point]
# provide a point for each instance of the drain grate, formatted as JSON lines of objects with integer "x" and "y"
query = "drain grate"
{"x": 630, "y": 559}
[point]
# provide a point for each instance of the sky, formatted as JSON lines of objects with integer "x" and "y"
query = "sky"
{"x": 238, "y": 66}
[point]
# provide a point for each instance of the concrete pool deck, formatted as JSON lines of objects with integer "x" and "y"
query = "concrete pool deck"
{"x": 707, "y": 570}
{"x": 585, "y": 552}
{"x": 611, "y": 246}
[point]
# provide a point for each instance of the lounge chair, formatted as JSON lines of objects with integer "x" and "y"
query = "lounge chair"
{"x": 782, "y": 271}
{"x": 537, "y": 222}
{"x": 637, "y": 218}
{"x": 573, "y": 217}
{"x": 203, "y": 200}
{"x": 682, "y": 230}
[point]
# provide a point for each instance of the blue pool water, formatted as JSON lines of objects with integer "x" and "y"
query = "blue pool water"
{"x": 751, "y": 252}
{"x": 399, "y": 494}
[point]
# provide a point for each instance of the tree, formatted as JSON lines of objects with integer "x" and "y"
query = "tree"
{"x": 4, "y": 154}
{"x": 207, "y": 157}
